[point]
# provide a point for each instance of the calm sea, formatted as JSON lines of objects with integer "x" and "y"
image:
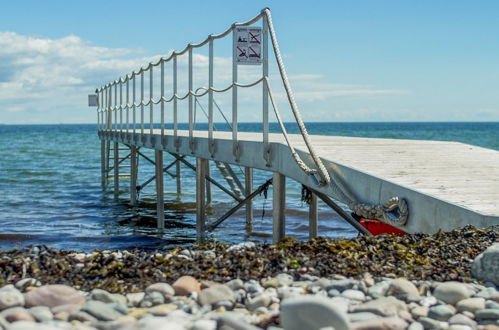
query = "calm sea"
{"x": 51, "y": 194}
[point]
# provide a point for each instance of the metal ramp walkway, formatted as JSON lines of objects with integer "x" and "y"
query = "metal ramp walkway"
{"x": 417, "y": 186}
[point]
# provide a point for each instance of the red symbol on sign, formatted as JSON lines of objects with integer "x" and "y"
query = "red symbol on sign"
{"x": 242, "y": 52}
{"x": 254, "y": 38}
{"x": 255, "y": 54}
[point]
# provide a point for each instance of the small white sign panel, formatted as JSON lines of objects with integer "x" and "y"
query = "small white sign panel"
{"x": 248, "y": 45}
{"x": 93, "y": 101}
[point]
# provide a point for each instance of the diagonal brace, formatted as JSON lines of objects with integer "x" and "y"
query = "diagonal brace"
{"x": 142, "y": 186}
{"x": 215, "y": 224}
{"x": 207, "y": 177}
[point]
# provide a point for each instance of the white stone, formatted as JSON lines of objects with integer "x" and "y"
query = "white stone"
{"x": 402, "y": 289}
{"x": 311, "y": 312}
{"x": 486, "y": 265}
{"x": 382, "y": 323}
{"x": 10, "y": 297}
{"x": 386, "y": 306}
{"x": 215, "y": 294}
{"x": 470, "y": 304}
{"x": 451, "y": 292}
{"x": 354, "y": 295}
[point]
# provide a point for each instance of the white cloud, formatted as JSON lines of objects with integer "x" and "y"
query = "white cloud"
{"x": 46, "y": 80}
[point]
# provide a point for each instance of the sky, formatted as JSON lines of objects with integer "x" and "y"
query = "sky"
{"x": 354, "y": 61}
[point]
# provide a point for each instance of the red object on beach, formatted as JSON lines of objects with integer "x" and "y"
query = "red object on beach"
{"x": 377, "y": 227}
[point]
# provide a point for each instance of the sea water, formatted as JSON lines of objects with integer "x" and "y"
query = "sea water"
{"x": 51, "y": 194}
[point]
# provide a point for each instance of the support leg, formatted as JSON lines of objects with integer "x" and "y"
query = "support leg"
{"x": 103, "y": 163}
{"x": 279, "y": 203}
{"x": 208, "y": 184}
{"x": 313, "y": 217}
{"x": 116, "y": 171}
{"x": 133, "y": 175}
{"x": 160, "y": 200}
{"x": 179, "y": 179}
{"x": 200, "y": 199}
{"x": 248, "y": 181}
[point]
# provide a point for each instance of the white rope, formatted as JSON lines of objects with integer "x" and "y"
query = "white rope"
{"x": 325, "y": 179}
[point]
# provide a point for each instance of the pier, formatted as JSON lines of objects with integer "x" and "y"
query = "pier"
{"x": 416, "y": 186}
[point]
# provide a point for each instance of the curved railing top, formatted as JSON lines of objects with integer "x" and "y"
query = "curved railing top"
{"x": 189, "y": 46}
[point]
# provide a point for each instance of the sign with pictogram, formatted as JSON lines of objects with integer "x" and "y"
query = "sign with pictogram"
{"x": 248, "y": 45}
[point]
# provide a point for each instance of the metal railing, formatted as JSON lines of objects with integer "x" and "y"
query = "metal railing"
{"x": 112, "y": 120}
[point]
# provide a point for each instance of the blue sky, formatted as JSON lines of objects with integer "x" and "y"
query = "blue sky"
{"x": 347, "y": 60}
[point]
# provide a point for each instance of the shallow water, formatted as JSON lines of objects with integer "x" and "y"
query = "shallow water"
{"x": 51, "y": 194}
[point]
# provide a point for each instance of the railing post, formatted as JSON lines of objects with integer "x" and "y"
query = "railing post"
{"x": 191, "y": 114}
{"x": 115, "y": 133}
{"x": 208, "y": 184}
{"x": 142, "y": 107}
{"x": 103, "y": 162}
{"x": 151, "y": 108}
{"x": 127, "y": 108}
{"x": 175, "y": 101}
{"x": 121, "y": 109}
{"x": 235, "y": 142}
{"x": 163, "y": 103}
{"x": 313, "y": 217}
{"x": 134, "y": 110}
{"x": 279, "y": 207}
{"x": 200, "y": 199}
{"x": 178, "y": 178}
{"x": 211, "y": 146}
{"x": 265, "y": 90}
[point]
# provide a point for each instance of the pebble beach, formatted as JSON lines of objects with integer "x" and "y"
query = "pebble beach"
{"x": 440, "y": 281}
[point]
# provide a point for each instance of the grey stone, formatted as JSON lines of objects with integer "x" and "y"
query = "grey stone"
{"x": 419, "y": 311}
{"x": 26, "y": 282}
{"x": 215, "y": 294}
{"x": 15, "y": 314}
{"x": 253, "y": 287}
{"x": 120, "y": 308}
{"x": 402, "y": 289}
{"x": 428, "y": 301}
{"x": 234, "y": 321}
{"x": 209, "y": 254}
{"x": 235, "y": 284}
{"x": 470, "y": 304}
{"x": 386, "y": 306}
{"x": 451, "y": 292}
{"x": 164, "y": 288}
{"x": 204, "y": 325}
{"x": 342, "y": 285}
{"x": 26, "y": 325}
{"x": 415, "y": 326}
{"x": 106, "y": 297}
{"x": 354, "y": 295}
{"x": 134, "y": 299}
{"x": 486, "y": 265}
{"x": 440, "y": 313}
{"x": 100, "y": 310}
{"x": 152, "y": 298}
{"x": 489, "y": 304}
{"x": 382, "y": 323}
{"x": 241, "y": 246}
{"x": 333, "y": 293}
{"x": 41, "y": 313}
{"x": 487, "y": 314}
{"x": 10, "y": 297}
{"x": 228, "y": 305}
{"x": 462, "y": 319}
{"x": 429, "y": 323}
{"x": 486, "y": 293}
{"x": 459, "y": 327}
{"x": 262, "y": 300}
{"x": 378, "y": 290}
{"x": 311, "y": 312}
{"x": 82, "y": 317}
{"x": 53, "y": 295}
{"x": 362, "y": 316}
{"x": 288, "y": 292}
{"x": 284, "y": 279}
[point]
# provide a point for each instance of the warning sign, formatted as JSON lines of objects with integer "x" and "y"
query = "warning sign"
{"x": 248, "y": 45}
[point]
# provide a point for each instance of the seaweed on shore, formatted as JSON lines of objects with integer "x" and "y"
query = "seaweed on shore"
{"x": 441, "y": 256}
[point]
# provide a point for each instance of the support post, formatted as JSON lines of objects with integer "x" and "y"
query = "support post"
{"x": 133, "y": 175}
{"x": 116, "y": 170}
{"x": 279, "y": 205}
{"x": 208, "y": 184}
{"x": 178, "y": 177}
{"x": 200, "y": 199}
{"x": 103, "y": 162}
{"x": 248, "y": 188}
{"x": 313, "y": 216}
{"x": 160, "y": 200}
